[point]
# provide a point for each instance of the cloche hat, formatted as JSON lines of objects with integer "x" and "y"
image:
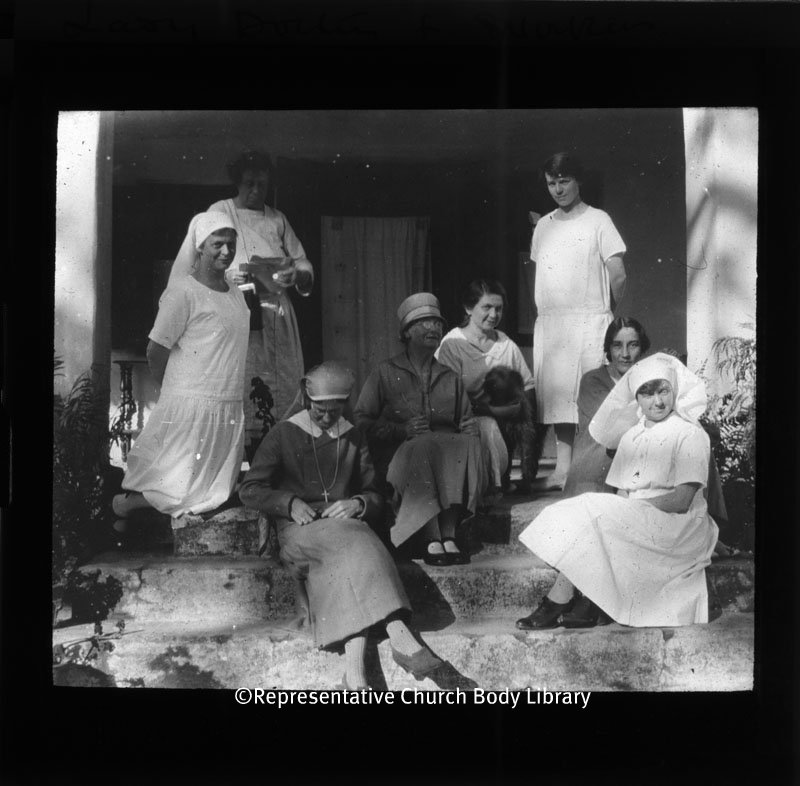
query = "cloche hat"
{"x": 418, "y": 306}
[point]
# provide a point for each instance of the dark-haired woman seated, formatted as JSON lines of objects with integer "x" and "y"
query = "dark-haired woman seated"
{"x": 472, "y": 351}
{"x": 422, "y": 435}
{"x": 312, "y": 474}
{"x": 624, "y": 343}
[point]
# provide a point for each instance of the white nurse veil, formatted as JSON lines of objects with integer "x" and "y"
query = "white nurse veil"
{"x": 200, "y": 227}
{"x": 620, "y": 412}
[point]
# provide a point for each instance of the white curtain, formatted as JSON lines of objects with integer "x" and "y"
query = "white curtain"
{"x": 369, "y": 265}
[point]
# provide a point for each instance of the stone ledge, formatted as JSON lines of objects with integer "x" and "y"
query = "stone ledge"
{"x": 248, "y": 588}
{"x": 713, "y": 657}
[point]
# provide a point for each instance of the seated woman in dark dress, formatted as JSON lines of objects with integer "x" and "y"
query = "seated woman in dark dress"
{"x": 624, "y": 343}
{"x": 312, "y": 474}
{"x": 416, "y": 415}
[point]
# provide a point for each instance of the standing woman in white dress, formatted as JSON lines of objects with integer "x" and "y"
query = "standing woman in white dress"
{"x": 578, "y": 254}
{"x": 274, "y": 350}
{"x": 639, "y": 556}
{"x": 189, "y": 454}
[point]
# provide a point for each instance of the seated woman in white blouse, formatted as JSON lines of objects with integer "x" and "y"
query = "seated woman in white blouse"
{"x": 472, "y": 350}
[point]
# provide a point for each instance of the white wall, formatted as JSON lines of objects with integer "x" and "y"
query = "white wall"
{"x": 721, "y": 212}
{"x": 83, "y": 243}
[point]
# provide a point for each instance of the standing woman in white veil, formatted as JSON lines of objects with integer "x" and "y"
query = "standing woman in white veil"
{"x": 189, "y": 454}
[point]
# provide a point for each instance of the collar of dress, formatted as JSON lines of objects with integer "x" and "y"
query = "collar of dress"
{"x": 493, "y": 349}
{"x": 640, "y": 429}
{"x": 303, "y": 421}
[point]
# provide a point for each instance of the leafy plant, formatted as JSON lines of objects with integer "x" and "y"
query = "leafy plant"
{"x": 80, "y": 468}
{"x": 734, "y": 412}
{"x": 84, "y": 651}
{"x": 732, "y": 420}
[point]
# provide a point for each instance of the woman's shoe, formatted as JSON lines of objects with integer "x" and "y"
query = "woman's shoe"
{"x": 436, "y": 558}
{"x": 455, "y": 557}
{"x": 420, "y": 664}
{"x": 584, "y": 614}
{"x": 545, "y": 616}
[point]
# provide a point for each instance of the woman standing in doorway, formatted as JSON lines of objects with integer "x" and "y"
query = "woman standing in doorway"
{"x": 579, "y": 265}
{"x": 274, "y": 351}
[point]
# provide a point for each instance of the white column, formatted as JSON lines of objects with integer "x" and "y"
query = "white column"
{"x": 721, "y": 212}
{"x": 83, "y": 243}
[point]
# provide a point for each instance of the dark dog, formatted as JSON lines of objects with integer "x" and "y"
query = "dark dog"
{"x": 504, "y": 390}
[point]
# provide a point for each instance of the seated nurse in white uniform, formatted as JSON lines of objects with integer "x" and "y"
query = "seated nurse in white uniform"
{"x": 637, "y": 557}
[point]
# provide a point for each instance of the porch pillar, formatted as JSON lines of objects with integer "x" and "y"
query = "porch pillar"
{"x": 721, "y": 210}
{"x": 83, "y": 245}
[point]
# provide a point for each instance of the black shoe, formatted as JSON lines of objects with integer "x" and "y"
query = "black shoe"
{"x": 584, "y": 614}
{"x": 455, "y": 557}
{"x": 545, "y": 616}
{"x": 439, "y": 559}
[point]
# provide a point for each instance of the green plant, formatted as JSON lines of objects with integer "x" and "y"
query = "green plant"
{"x": 80, "y": 463}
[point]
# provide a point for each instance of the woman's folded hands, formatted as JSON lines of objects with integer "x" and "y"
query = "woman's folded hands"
{"x": 416, "y": 426}
{"x": 469, "y": 426}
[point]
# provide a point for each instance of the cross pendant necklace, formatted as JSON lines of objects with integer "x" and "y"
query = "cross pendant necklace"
{"x": 326, "y": 489}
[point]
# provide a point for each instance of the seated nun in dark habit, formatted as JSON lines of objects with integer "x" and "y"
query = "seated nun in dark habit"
{"x": 313, "y": 476}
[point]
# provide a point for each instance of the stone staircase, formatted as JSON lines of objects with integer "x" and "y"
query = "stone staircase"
{"x": 214, "y": 614}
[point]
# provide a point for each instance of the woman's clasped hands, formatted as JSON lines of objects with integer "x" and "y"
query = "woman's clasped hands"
{"x": 302, "y": 513}
{"x": 469, "y": 426}
{"x": 417, "y": 426}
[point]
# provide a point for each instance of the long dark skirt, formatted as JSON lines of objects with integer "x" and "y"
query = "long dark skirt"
{"x": 431, "y": 473}
{"x": 351, "y": 578}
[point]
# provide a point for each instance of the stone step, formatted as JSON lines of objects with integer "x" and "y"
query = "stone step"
{"x": 489, "y": 655}
{"x": 235, "y": 531}
{"x": 194, "y": 589}
{"x": 502, "y": 523}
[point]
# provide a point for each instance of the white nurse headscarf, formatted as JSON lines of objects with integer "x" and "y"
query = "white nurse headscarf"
{"x": 200, "y": 227}
{"x": 620, "y": 412}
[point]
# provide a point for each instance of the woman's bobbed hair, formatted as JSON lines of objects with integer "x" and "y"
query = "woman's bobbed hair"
{"x": 563, "y": 165}
{"x": 255, "y": 160}
{"x": 476, "y": 289}
{"x": 616, "y": 326}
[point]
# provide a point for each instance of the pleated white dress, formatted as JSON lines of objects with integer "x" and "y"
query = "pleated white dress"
{"x": 189, "y": 453}
{"x": 642, "y": 566}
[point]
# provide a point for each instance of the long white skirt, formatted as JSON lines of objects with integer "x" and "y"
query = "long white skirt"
{"x": 565, "y": 346}
{"x": 642, "y": 566}
{"x": 189, "y": 454}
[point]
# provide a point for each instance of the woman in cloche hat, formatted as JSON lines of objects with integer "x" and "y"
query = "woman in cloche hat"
{"x": 422, "y": 436}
